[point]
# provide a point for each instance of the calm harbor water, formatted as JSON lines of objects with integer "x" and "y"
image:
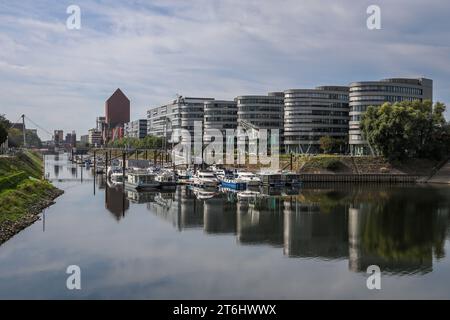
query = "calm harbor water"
{"x": 314, "y": 243}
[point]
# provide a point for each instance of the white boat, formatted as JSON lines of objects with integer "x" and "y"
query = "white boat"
{"x": 203, "y": 194}
{"x": 205, "y": 179}
{"x": 166, "y": 178}
{"x": 117, "y": 177}
{"x": 246, "y": 195}
{"x": 184, "y": 174}
{"x": 141, "y": 180}
{"x": 250, "y": 178}
{"x": 113, "y": 169}
{"x": 219, "y": 173}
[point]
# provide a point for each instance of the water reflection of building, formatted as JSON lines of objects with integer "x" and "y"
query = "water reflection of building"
{"x": 185, "y": 211}
{"x": 100, "y": 181}
{"x": 116, "y": 202}
{"x": 190, "y": 209}
{"x": 367, "y": 226}
{"x": 181, "y": 208}
{"x": 310, "y": 233}
{"x": 219, "y": 215}
{"x": 163, "y": 206}
{"x": 56, "y": 169}
{"x": 260, "y": 222}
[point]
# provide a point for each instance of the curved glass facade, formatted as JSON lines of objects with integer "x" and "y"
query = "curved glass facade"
{"x": 310, "y": 114}
{"x": 221, "y": 115}
{"x": 375, "y": 93}
{"x": 264, "y": 112}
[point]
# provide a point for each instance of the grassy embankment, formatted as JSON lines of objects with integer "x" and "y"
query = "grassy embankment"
{"x": 21, "y": 185}
{"x": 357, "y": 165}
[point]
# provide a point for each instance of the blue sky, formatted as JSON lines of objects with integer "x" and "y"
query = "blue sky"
{"x": 154, "y": 50}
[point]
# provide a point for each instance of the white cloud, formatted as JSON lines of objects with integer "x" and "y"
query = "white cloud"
{"x": 206, "y": 48}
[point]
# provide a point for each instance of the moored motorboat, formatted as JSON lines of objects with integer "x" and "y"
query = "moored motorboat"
{"x": 249, "y": 177}
{"x": 202, "y": 194}
{"x": 205, "y": 179}
{"x": 166, "y": 179}
{"x": 233, "y": 183}
{"x": 140, "y": 180}
{"x": 247, "y": 195}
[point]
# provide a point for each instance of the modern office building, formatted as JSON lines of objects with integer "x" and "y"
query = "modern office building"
{"x": 181, "y": 113}
{"x": 310, "y": 114}
{"x": 84, "y": 139}
{"x": 220, "y": 115}
{"x": 58, "y": 137}
{"x": 102, "y": 127}
{"x": 375, "y": 93}
{"x": 95, "y": 137}
{"x": 71, "y": 139}
{"x": 136, "y": 129}
{"x": 263, "y": 112}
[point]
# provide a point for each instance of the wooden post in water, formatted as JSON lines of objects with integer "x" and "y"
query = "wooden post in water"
{"x": 124, "y": 158}
{"x": 81, "y": 168}
{"x": 106, "y": 160}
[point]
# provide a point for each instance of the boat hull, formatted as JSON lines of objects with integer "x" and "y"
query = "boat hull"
{"x": 234, "y": 185}
{"x": 141, "y": 187}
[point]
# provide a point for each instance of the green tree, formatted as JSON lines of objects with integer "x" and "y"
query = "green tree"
{"x": 329, "y": 144}
{"x": 148, "y": 142}
{"x": 407, "y": 129}
{"x": 326, "y": 144}
{"x": 5, "y": 122}
{"x": 3, "y": 134}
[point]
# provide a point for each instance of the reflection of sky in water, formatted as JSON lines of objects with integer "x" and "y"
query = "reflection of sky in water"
{"x": 221, "y": 252}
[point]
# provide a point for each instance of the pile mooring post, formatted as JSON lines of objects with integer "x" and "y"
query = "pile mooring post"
{"x": 106, "y": 160}
{"x": 124, "y": 156}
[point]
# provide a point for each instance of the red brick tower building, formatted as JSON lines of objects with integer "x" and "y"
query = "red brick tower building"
{"x": 117, "y": 113}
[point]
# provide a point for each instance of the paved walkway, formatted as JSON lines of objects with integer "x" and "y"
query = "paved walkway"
{"x": 442, "y": 176}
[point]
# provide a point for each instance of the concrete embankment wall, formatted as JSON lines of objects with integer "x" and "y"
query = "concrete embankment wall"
{"x": 372, "y": 178}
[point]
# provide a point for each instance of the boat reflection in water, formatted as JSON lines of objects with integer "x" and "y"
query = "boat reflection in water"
{"x": 372, "y": 225}
{"x": 116, "y": 201}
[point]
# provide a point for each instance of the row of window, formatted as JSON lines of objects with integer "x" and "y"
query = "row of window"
{"x": 260, "y": 116}
{"x": 382, "y": 98}
{"x": 316, "y": 95}
{"x": 260, "y": 109}
{"x": 317, "y": 121}
{"x": 317, "y": 113}
{"x": 259, "y": 101}
{"x": 384, "y": 88}
{"x": 305, "y": 104}
{"x": 310, "y": 137}
{"x": 219, "y": 119}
